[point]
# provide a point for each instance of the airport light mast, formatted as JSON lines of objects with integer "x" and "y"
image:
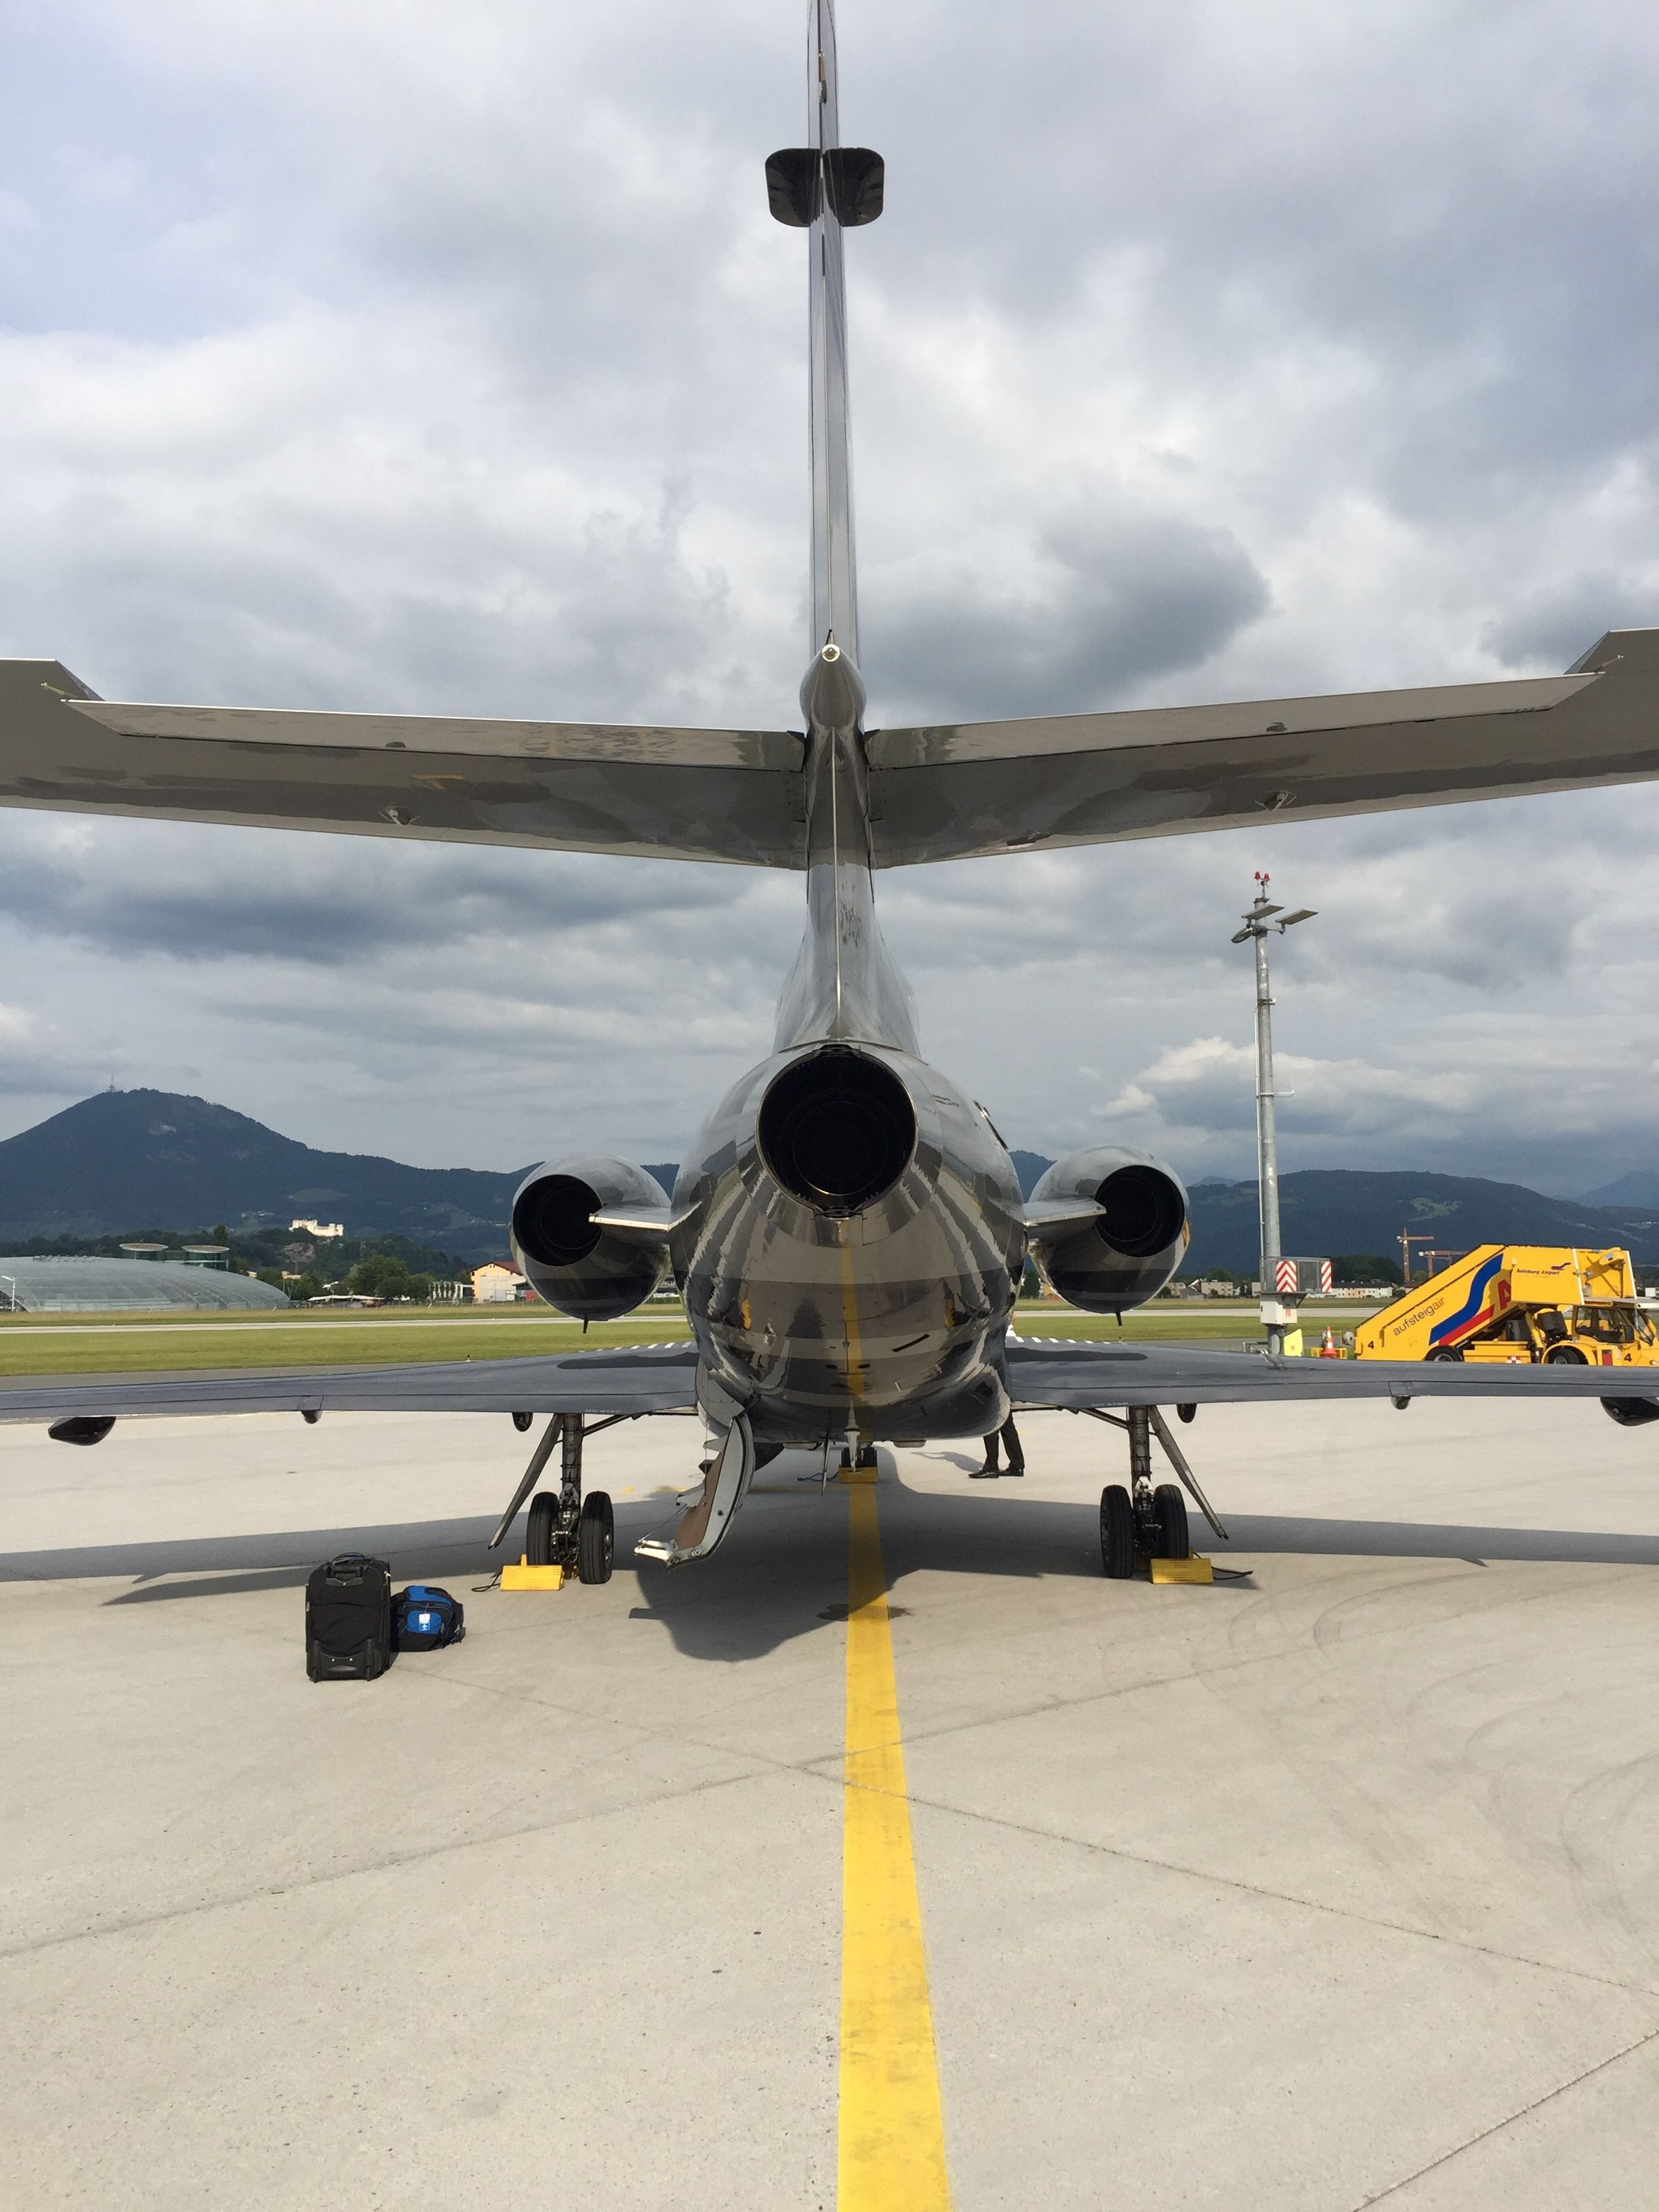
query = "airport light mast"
{"x": 1263, "y": 917}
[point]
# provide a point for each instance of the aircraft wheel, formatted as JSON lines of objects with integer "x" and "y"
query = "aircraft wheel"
{"x": 1445, "y": 1355}
{"x": 596, "y": 1538}
{"x": 1117, "y": 1533}
{"x": 1186, "y": 1412}
{"x": 1565, "y": 1355}
{"x": 522, "y": 1421}
{"x": 541, "y": 1547}
{"x": 1170, "y": 1507}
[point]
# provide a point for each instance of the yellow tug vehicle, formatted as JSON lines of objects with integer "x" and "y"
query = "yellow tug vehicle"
{"x": 1519, "y": 1303}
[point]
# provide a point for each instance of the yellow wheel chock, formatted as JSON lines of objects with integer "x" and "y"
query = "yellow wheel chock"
{"x": 524, "y": 1577}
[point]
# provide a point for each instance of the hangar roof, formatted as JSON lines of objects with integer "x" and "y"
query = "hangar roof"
{"x": 97, "y": 1285}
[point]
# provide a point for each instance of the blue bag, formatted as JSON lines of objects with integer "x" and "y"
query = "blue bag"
{"x": 424, "y": 1618}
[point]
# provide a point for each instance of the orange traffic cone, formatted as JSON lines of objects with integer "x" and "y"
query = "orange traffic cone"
{"x": 1328, "y": 1350}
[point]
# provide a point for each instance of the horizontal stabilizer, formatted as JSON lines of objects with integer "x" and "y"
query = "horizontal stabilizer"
{"x": 573, "y": 787}
{"x": 938, "y": 791}
{"x": 949, "y": 790}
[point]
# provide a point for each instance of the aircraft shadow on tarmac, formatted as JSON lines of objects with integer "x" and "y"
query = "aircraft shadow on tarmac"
{"x": 783, "y": 1575}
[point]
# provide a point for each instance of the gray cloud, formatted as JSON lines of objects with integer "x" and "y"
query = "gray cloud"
{"x": 1104, "y": 600}
{"x": 450, "y": 361}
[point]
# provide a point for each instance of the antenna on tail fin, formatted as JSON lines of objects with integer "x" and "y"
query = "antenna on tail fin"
{"x": 826, "y": 187}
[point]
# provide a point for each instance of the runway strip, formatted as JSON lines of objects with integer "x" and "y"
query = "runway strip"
{"x": 892, "y": 2139}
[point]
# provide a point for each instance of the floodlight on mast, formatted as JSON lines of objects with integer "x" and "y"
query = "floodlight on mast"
{"x": 1263, "y": 916}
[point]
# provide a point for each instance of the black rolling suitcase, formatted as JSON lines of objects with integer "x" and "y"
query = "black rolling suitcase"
{"x": 349, "y": 1619}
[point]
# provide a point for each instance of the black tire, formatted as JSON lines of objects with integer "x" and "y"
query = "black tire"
{"x": 596, "y": 1538}
{"x": 1173, "y": 1542}
{"x": 541, "y": 1543}
{"x": 866, "y": 1456}
{"x": 521, "y": 1421}
{"x": 1117, "y": 1533}
{"x": 1186, "y": 1412}
{"x": 1565, "y": 1355}
{"x": 1445, "y": 1355}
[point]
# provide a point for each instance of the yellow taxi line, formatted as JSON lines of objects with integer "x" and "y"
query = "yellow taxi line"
{"x": 891, "y": 2127}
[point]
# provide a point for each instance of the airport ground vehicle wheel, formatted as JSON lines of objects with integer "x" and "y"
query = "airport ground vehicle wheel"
{"x": 1445, "y": 1353}
{"x": 1117, "y": 1532}
{"x": 867, "y": 1456}
{"x": 541, "y": 1547}
{"x": 1565, "y": 1355}
{"x": 596, "y": 1538}
{"x": 1173, "y": 1542}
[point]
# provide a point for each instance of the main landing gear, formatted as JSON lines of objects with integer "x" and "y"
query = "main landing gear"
{"x": 1147, "y": 1520}
{"x": 565, "y": 1530}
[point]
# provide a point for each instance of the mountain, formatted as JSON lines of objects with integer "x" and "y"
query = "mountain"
{"x": 1327, "y": 1211}
{"x": 127, "y": 1157}
{"x": 1029, "y": 1166}
{"x": 1639, "y": 1189}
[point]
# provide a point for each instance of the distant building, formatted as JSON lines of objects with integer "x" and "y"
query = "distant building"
{"x": 95, "y": 1285}
{"x": 319, "y": 1228}
{"x": 498, "y": 1283}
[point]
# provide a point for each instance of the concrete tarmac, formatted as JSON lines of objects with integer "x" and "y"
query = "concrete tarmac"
{"x": 1335, "y": 1887}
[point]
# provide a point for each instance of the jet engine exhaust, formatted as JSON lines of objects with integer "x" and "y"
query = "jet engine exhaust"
{"x": 1134, "y": 1244}
{"x": 837, "y": 1129}
{"x": 551, "y": 1220}
{"x": 590, "y": 1272}
{"x": 1144, "y": 1211}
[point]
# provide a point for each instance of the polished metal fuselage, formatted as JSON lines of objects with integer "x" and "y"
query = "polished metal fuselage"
{"x": 890, "y": 1322}
{"x": 887, "y": 1324}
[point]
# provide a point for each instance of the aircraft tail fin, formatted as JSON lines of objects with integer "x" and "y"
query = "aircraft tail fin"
{"x": 824, "y": 188}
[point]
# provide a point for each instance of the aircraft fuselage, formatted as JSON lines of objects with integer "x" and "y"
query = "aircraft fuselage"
{"x": 827, "y": 1319}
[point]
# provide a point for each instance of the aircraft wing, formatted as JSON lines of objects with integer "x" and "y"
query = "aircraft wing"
{"x": 1075, "y": 1376}
{"x": 955, "y": 789}
{"x": 574, "y": 786}
{"x": 628, "y": 1379}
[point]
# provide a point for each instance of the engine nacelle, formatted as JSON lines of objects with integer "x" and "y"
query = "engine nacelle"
{"x": 1629, "y": 1412}
{"x": 590, "y": 1273}
{"x": 1126, "y": 1254}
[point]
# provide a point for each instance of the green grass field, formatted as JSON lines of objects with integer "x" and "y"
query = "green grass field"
{"x": 140, "y": 1343}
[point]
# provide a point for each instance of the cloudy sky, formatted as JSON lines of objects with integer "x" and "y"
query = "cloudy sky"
{"x": 382, "y": 354}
